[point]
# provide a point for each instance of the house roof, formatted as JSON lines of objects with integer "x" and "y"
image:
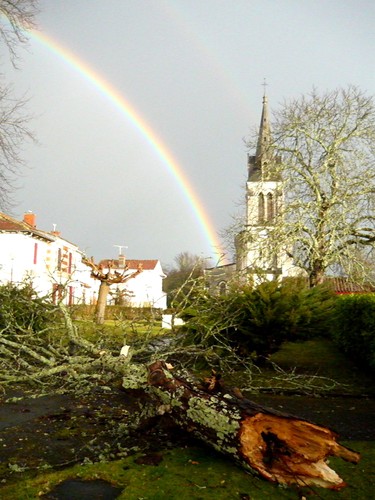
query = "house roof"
{"x": 147, "y": 264}
{"x": 10, "y": 225}
{"x": 343, "y": 286}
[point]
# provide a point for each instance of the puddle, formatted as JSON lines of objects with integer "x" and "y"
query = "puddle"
{"x": 75, "y": 489}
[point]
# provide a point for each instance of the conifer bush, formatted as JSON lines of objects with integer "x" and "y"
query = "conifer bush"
{"x": 354, "y": 330}
{"x": 258, "y": 320}
{"x": 21, "y": 310}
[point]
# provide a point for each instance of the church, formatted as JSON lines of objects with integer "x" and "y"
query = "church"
{"x": 255, "y": 257}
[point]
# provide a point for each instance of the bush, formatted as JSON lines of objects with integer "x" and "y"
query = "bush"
{"x": 117, "y": 313}
{"x": 260, "y": 319}
{"x": 21, "y": 310}
{"x": 354, "y": 330}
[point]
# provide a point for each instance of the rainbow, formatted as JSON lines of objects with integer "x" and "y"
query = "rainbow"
{"x": 118, "y": 100}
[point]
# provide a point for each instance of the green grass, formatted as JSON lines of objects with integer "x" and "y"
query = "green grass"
{"x": 197, "y": 473}
{"x": 319, "y": 360}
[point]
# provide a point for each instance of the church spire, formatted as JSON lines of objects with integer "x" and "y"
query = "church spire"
{"x": 264, "y": 137}
{"x": 260, "y": 165}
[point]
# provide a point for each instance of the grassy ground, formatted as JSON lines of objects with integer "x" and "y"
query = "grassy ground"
{"x": 316, "y": 365}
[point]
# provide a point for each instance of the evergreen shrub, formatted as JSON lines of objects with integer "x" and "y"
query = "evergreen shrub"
{"x": 21, "y": 310}
{"x": 117, "y": 313}
{"x": 354, "y": 330}
{"x": 258, "y": 320}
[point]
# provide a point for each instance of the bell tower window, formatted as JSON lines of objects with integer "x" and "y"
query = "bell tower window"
{"x": 270, "y": 208}
{"x": 261, "y": 208}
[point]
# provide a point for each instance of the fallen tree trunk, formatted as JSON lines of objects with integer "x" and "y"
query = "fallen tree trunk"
{"x": 280, "y": 447}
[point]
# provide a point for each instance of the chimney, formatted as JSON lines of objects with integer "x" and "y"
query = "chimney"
{"x": 30, "y": 219}
{"x": 121, "y": 261}
{"x": 54, "y": 232}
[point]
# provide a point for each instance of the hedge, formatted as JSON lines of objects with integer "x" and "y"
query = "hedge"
{"x": 354, "y": 330}
{"x": 86, "y": 312}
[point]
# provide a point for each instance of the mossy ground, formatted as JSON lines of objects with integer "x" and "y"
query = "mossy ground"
{"x": 196, "y": 473}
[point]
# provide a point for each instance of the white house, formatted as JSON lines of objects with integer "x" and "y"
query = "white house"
{"x": 52, "y": 264}
{"x": 145, "y": 290}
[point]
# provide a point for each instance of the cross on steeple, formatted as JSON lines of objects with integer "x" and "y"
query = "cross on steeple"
{"x": 264, "y": 85}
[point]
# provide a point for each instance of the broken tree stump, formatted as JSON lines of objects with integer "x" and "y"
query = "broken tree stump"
{"x": 282, "y": 448}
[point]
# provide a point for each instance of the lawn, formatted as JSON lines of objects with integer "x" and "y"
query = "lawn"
{"x": 313, "y": 365}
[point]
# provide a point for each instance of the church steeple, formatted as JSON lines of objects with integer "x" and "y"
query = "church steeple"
{"x": 264, "y": 137}
{"x": 259, "y": 164}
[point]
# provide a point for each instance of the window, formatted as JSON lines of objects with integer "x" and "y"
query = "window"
{"x": 222, "y": 288}
{"x": 70, "y": 263}
{"x": 59, "y": 259}
{"x": 261, "y": 208}
{"x": 270, "y": 207}
{"x": 35, "y": 253}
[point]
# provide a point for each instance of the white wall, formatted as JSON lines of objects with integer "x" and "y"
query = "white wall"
{"x": 23, "y": 256}
{"x": 146, "y": 289}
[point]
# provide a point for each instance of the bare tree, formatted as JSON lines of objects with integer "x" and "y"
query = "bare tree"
{"x": 107, "y": 278}
{"x": 327, "y": 148}
{"x": 13, "y": 133}
{"x": 180, "y": 279}
{"x": 16, "y": 17}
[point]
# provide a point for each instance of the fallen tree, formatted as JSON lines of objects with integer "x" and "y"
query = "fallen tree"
{"x": 282, "y": 448}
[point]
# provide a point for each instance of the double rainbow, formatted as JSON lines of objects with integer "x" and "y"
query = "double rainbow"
{"x": 118, "y": 100}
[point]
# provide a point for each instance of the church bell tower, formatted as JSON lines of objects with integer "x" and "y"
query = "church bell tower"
{"x": 264, "y": 199}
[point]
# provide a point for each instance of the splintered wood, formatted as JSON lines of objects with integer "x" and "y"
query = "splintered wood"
{"x": 280, "y": 447}
{"x": 290, "y": 450}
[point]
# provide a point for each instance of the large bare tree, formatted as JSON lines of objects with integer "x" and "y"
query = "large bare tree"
{"x": 180, "y": 278}
{"x": 16, "y": 17}
{"x": 326, "y": 143}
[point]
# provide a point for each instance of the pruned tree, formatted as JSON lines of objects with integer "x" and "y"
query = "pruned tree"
{"x": 107, "y": 277}
{"x": 326, "y": 143}
{"x": 16, "y": 17}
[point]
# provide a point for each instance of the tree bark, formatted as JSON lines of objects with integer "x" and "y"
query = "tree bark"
{"x": 280, "y": 447}
{"x": 102, "y": 302}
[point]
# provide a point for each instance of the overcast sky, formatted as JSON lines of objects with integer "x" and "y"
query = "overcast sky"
{"x": 193, "y": 70}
